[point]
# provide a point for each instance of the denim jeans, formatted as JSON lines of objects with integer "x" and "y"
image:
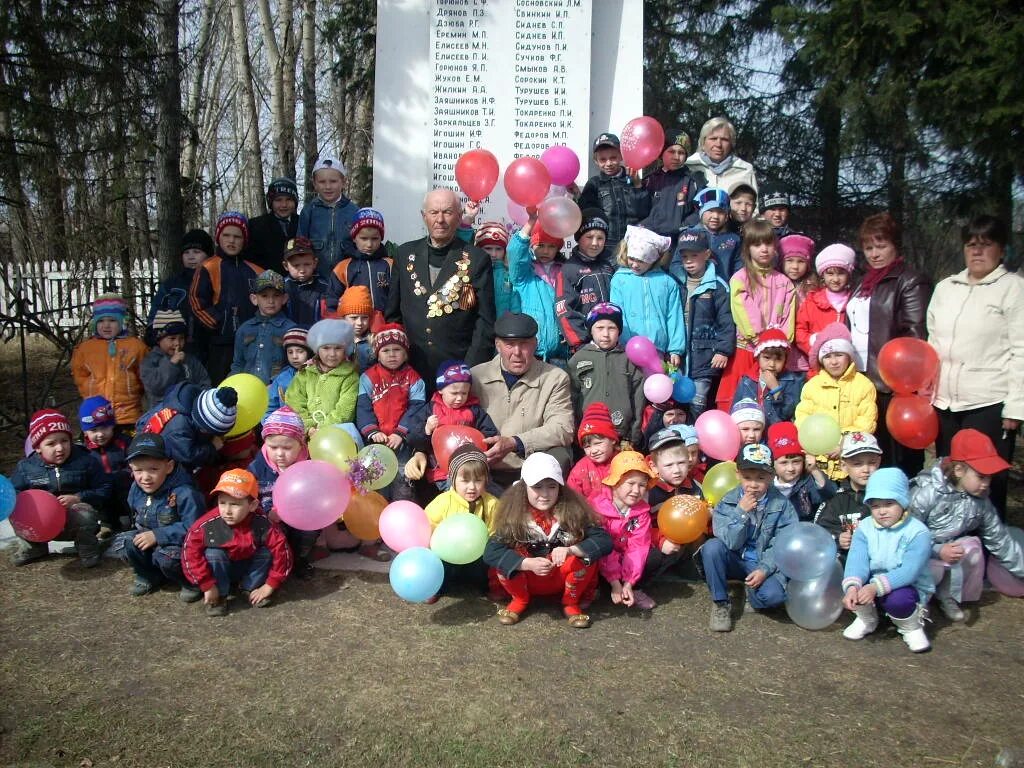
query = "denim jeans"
{"x": 721, "y": 563}
{"x": 155, "y": 565}
{"x": 700, "y": 400}
{"x": 248, "y": 574}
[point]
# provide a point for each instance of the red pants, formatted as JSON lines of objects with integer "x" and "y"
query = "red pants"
{"x": 575, "y": 581}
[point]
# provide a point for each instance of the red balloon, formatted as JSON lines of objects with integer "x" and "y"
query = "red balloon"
{"x": 477, "y": 173}
{"x": 527, "y": 181}
{"x": 38, "y": 516}
{"x": 446, "y": 438}
{"x": 642, "y": 140}
{"x": 907, "y": 365}
{"x": 912, "y": 421}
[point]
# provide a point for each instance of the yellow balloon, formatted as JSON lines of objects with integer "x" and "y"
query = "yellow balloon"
{"x": 333, "y": 444}
{"x": 252, "y": 401}
{"x": 719, "y": 480}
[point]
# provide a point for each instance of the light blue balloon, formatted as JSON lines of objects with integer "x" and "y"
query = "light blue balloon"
{"x": 416, "y": 574}
{"x": 8, "y": 497}
{"x": 804, "y": 551}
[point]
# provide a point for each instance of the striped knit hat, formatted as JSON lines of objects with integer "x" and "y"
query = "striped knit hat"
{"x": 461, "y": 456}
{"x": 294, "y": 337}
{"x": 109, "y": 305}
{"x": 367, "y": 217}
{"x": 491, "y": 233}
{"x": 390, "y": 333}
{"x": 215, "y": 410}
{"x": 167, "y": 322}
{"x": 286, "y": 422}
{"x": 46, "y": 422}
{"x": 232, "y": 219}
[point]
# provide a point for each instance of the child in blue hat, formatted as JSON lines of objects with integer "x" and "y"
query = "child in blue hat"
{"x": 104, "y": 440}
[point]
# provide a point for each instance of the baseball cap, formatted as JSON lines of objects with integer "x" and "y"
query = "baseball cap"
{"x": 976, "y": 450}
{"x": 237, "y": 483}
{"x": 755, "y": 456}
{"x": 663, "y": 438}
{"x": 541, "y": 466}
{"x": 147, "y": 444}
{"x": 265, "y": 280}
{"x": 326, "y": 162}
{"x": 606, "y": 140}
{"x": 855, "y": 443}
{"x": 693, "y": 240}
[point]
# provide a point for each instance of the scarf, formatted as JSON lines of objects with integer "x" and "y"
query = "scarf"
{"x": 874, "y": 277}
{"x": 303, "y": 455}
{"x": 548, "y": 272}
{"x": 837, "y": 300}
{"x": 717, "y": 168}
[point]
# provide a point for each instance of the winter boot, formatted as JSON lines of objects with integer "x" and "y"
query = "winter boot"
{"x": 864, "y": 624}
{"x": 30, "y": 552}
{"x": 912, "y": 629}
{"x": 947, "y": 603}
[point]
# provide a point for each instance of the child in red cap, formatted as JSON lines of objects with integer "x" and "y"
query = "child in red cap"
{"x": 952, "y": 499}
{"x": 797, "y": 477}
{"x": 236, "y": 542}
{"x": 599, "y": 440}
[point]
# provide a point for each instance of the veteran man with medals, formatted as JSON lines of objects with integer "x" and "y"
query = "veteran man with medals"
{"x": 442, "y": 292}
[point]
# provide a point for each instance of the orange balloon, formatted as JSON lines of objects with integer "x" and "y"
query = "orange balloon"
{"x": 683, "y": 519}
{"x": 362, "y": 516}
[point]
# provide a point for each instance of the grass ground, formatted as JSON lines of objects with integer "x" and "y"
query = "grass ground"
{"x": 340, "y": 672}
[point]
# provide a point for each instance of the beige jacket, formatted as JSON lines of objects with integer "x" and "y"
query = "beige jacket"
{"x": 978, "y": 331}
{"x": 537, "y": 410}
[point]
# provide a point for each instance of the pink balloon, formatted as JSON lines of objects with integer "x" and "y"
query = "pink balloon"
{"x": 643, "y": 354}
{"x": 517, "y": 213}
{"x": 311, "y": 495}
{"x": 658, "y": 388}
{"x": 38, "y": 516}
{"x": 642, "y": 140}
{"x": 527, "y": 181}
{"x": 559, "y": 216}
{"x": 717, "y": 435}
{"x": 403, "y": 525}
{"x": 562, "y": 163}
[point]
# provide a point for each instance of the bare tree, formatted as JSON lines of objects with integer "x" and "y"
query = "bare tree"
{"x": 249, "y": 124}
{"x": 309, "y": 137}
{"x": 169, "y": 218}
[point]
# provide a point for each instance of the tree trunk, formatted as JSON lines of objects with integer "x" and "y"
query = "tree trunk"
{"x": 13, "y": 191}
{"x": 310, "y": 147}
{"x": 274, "y": 64}
{"x": 169, "y": 216}
{"x": 252, "y": 153}
{"x": 830, "y": 121}
{"x": 289, "y": 56}
{"x": 193, "y": 190}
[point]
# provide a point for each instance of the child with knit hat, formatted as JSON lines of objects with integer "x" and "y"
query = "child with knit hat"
{"x": 534, "y": 281}
{"x": 599, "y": 440}
{"x": 105, "y": 441}
{"x": 586, "y": 278}
{"x": 601, "y": 372}
{"x": 492, "y": 238}
{"x": 306, "y": 288}
{"x": 748, "y": 417}
{"x": 795, "y": 253}
{"x": 324, "y": 392}
{"x": 169, "y": 362}
{"x": 219, "y": 294}
{"x": 284, "y": 444}
{"x": 453, "y": 404}
{"x": 108, "y": 363}
{"x": 70, "y": 473}
{"x": 193, "y": 423}
{"x": 297, "y": 354}
{"x": 838, "y": 390}
{"x": 356, "y": 306}
{"x": 887, "y": 566}
{"x": 713, "y": 205}
{"x": 621, "y": 504}
{"x": 797, "y": 477}
{"x": 825, "y": 305}
{"x": 172, "y": 295}
{"x": 327, "y": 219}
{"x": 366, "y": 264}
{"x": 777, "y": 387}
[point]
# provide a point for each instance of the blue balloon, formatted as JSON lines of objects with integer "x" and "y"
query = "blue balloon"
{"x": 416, "y": 574}
{"x": 683, "y": 390}
{"x": 8, "y": 497}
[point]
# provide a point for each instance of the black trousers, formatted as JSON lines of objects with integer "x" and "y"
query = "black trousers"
{"x": 988, "y": 421}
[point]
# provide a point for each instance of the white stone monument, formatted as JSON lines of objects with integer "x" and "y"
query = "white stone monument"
{"x": 510, "y": 76}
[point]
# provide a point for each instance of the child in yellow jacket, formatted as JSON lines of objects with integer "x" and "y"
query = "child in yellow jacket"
{"x": 838, "y": 390}
{"x": 109, "y": 362}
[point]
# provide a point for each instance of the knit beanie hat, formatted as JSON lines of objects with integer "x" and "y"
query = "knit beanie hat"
{"x": 452, "y": 372}
{"x": 367, "y": 217}
{"x": 46, "y": 422}
{"x": 491, "y": 233}
{"x": 286, "y": 422}
{"x": 231, "y": 219}
{"x": 645, "y": 245}
{"x": 199, "y": 239}
{"x": 109, "y": 305}
{"x": 604, "y": 310}
{"x": 771, "y": 338}
{"x": 593, "y": 218}
{"x": 596, "y": 420}
{"x": 834, "y": 337}
{"x": 330, "y": 331}
{"x": 746, "y": 409}
{"x": 215, "y": 410}
{"x": 356, "y": 300}
{"x": 539, "y": 237}
{"x": 888, "y": 483}
{"x": 167, "y": 322}
{"x": 775, "y": 198}
{"x": 390, "y": 333}
{"x": 835, "y": 255}
{"x": 678, "y": 136}
{"x": 796, "y": 246}
{"x": 96, "y": 411}
{"x": 461, "y": 456}
{"x": 710, "y": 199}
{"x": 282, "y": 187}
{"x": 294, "y": 337}
{"x": 783, "y": 440}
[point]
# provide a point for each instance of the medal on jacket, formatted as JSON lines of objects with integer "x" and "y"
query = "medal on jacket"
{"x": 452, "y": 294}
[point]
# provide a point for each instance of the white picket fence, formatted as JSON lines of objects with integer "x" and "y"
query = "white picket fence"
{"x": 61, "y": 292}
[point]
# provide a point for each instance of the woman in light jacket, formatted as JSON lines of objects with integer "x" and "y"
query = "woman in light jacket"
{"x": 716, "y": 160}
{"x": 976, "y": 324}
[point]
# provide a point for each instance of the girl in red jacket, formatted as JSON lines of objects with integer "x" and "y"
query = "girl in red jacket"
{"x": 622, "y": 506}
{"x": 827, "y": 304}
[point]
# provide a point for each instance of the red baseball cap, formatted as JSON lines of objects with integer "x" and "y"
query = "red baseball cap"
{"x": 977, "y": 451}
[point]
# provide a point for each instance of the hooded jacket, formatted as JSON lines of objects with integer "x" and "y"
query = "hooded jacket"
{"x": 219, "y": 295}
{"x": 324, "y": 398}
{"x": 327, "y": 227}
{"x": 710, "y": 329}
{"x": 111, "y": 368}
{"x": 171, "y": 418}
{"x": 630, "y": 534}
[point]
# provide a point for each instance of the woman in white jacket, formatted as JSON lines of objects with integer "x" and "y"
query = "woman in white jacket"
{"x": 716, "y": 159}
{"x": 976, "y": 324}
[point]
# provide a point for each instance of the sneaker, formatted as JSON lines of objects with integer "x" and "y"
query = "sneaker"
{"x": 642, "y": 600}
{"x": 189, "y": 594}
{"x": 142, "y": 587}
{"x": 951, "y": 609}
{"x": 26, "y": 556}
{"x": 91, "y": 561}
{"x": 220, "y": 608}
{"x": 721, "y": 617}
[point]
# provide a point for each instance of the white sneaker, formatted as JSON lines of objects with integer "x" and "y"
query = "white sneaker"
{"x": 864, "y": 624}
{"x": 951, "y": 608}
{"x": 912, "y": 630}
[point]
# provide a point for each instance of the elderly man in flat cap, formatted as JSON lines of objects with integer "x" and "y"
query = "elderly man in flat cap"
{"x": 528, "y": 400}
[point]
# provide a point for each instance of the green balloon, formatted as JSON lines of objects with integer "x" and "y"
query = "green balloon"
{"x": 718, "y": 481}
{"x": 819, "y": 434}
{"x": 381, "y": 463}
{"x": 333, "y": 444}
{"x": 459, "y": 539}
